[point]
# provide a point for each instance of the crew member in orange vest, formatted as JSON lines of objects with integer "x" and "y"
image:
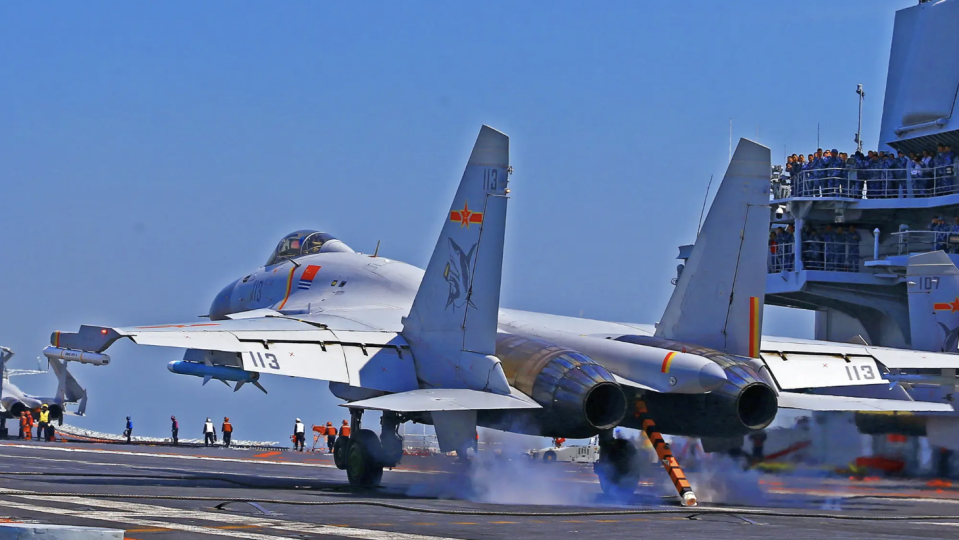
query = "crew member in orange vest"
{"x": 345, "y": 429}
{"x": 227, "y": 429}
{"x": 330, "y": 436}
{"x": 26, "y": 425}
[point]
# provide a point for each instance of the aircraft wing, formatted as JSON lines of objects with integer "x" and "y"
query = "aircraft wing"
{"x": 814, "y": 364}
{"x": 816, "y": 402}
{"x": 275, "y": 344}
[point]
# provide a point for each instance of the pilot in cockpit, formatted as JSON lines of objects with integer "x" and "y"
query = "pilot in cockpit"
{"x": 312, "y": 243}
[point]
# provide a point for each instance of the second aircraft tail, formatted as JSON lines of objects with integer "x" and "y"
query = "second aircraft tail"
{"x": 932, "y": 281}
{"x": 718, "y": 300}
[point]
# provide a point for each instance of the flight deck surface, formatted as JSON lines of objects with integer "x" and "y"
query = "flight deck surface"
{"x": 117, "y": 481}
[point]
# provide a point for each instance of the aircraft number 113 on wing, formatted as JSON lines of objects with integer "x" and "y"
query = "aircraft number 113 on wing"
{"x": 264, "y": 360}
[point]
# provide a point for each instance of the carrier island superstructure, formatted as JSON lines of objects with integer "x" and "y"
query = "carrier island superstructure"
{"x": 865, "y": 296}
{"x": 859, "y": 283}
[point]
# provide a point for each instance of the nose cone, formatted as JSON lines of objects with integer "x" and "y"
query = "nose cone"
{"x": 711, "y": 376}
{"x": 222, "y": 304}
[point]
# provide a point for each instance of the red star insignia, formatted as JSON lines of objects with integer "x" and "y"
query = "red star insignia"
{"x": 466, "y": 216}
{"x": 951, "y": 307}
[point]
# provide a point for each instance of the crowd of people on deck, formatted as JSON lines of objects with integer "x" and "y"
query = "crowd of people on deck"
{"x": 944, "y": 232}
{"x": 874, "y": 175}
{"x": 823, "y": 248}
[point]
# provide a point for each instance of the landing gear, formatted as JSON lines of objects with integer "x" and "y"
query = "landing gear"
{"x": 364, "y": 465}
{"x": 390, "y": 439}
{"x": 364, "y": 455}
{"x": 618, "y": 466}
{"x": 340, "y": 450}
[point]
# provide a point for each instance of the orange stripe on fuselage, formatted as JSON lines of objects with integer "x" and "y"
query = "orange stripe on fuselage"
{"x": 667, "y": 361}
{"x": 289, "y": 286}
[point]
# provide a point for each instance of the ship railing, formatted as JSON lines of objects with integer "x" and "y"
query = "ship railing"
{"x": 836, "y": 256}
{"x": 925, "y": 241}
{"x": 869, "y": 183}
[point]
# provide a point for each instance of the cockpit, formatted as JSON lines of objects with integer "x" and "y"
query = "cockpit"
{"x": 306, "y": 242}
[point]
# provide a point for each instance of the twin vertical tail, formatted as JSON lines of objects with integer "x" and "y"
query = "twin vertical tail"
{"x": 718, "y": 300}
{"x": 932, "y": 281}
{"x": 451, "y": 327}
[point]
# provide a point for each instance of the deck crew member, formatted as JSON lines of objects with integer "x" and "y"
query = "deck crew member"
{"x": 174, "y": 431}
{"x": 330, "y": 436}
{"x": 299, "y": 435}
{"x": 26, "y": 425}
{"x": 345, "y": 429}
{"x": 209, "y": 433}
{"x": 227, "y": 430}
{"x": 43, "y": 423}
{"x": 128, "y": 432}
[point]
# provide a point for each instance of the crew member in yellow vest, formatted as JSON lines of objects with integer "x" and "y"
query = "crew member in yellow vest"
{"x": 44, "y": 422}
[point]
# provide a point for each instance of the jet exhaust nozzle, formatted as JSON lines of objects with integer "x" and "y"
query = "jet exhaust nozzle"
{"x": 579, "y": 396}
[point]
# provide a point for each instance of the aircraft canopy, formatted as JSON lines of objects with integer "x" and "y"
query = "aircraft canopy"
{"x": 304, "y": 242}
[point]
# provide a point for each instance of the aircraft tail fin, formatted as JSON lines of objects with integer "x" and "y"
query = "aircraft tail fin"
{"x": 451, "y": 327}
{"x": 6, "y": 353}
{"x": 68, "y": 388}
{"x": 718, "y": 300}
{"x": 932, "y": 281}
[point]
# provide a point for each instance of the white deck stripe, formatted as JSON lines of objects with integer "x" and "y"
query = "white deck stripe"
{"x": 133, "y": 514}
{"x": 196, "y": 458}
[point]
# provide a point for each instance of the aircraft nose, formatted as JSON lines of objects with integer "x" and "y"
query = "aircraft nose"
{"x": 222, "y": 304}
{"x": 711, "y": 376}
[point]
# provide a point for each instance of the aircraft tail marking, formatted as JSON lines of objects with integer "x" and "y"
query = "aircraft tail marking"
{"x": 718, "y": 299}
{"x": 451, "y": 327}
{"x": 755, "y": 326}
{"x": 932, "y": 283}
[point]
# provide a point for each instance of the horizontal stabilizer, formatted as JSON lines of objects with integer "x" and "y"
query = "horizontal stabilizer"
{"x": 444, "y": 399}
{"x": 815, "y": 402}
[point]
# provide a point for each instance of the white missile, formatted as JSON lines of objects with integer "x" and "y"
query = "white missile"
{"x": 70, "y": 355}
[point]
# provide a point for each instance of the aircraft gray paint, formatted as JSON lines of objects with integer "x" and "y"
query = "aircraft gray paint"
{"x": 13, "y": 401}
{"x": 434, "y": 346}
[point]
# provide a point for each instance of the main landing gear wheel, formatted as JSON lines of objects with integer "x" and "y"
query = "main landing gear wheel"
{"x": 618, "y": 468}
{"x": 392, "y": 445}
{"x": 340, "y": 450}
{"x": 363, "y": 465}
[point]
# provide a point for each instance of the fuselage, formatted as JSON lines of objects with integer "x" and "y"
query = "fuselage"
{"x": 376, "y": 293}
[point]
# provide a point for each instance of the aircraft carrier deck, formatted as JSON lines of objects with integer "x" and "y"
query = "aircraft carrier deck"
{"x": 158, "y": 492}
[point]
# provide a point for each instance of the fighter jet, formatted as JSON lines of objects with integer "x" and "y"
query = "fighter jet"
{"x": 932, "y": 285}
{"x": 435, "y": 347}
{"x": 14, "y": 402}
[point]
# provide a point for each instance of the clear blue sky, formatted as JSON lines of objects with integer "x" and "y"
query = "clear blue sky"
{"x": 152, "y": 152}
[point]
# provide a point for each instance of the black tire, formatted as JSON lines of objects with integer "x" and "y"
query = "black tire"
{"x": 340, "y": 450}
{"x": 364, "y": 467}
{"x": 392, "y": 445}
{"x": 549, "y": 457}
{"x": 618, "y": 468}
